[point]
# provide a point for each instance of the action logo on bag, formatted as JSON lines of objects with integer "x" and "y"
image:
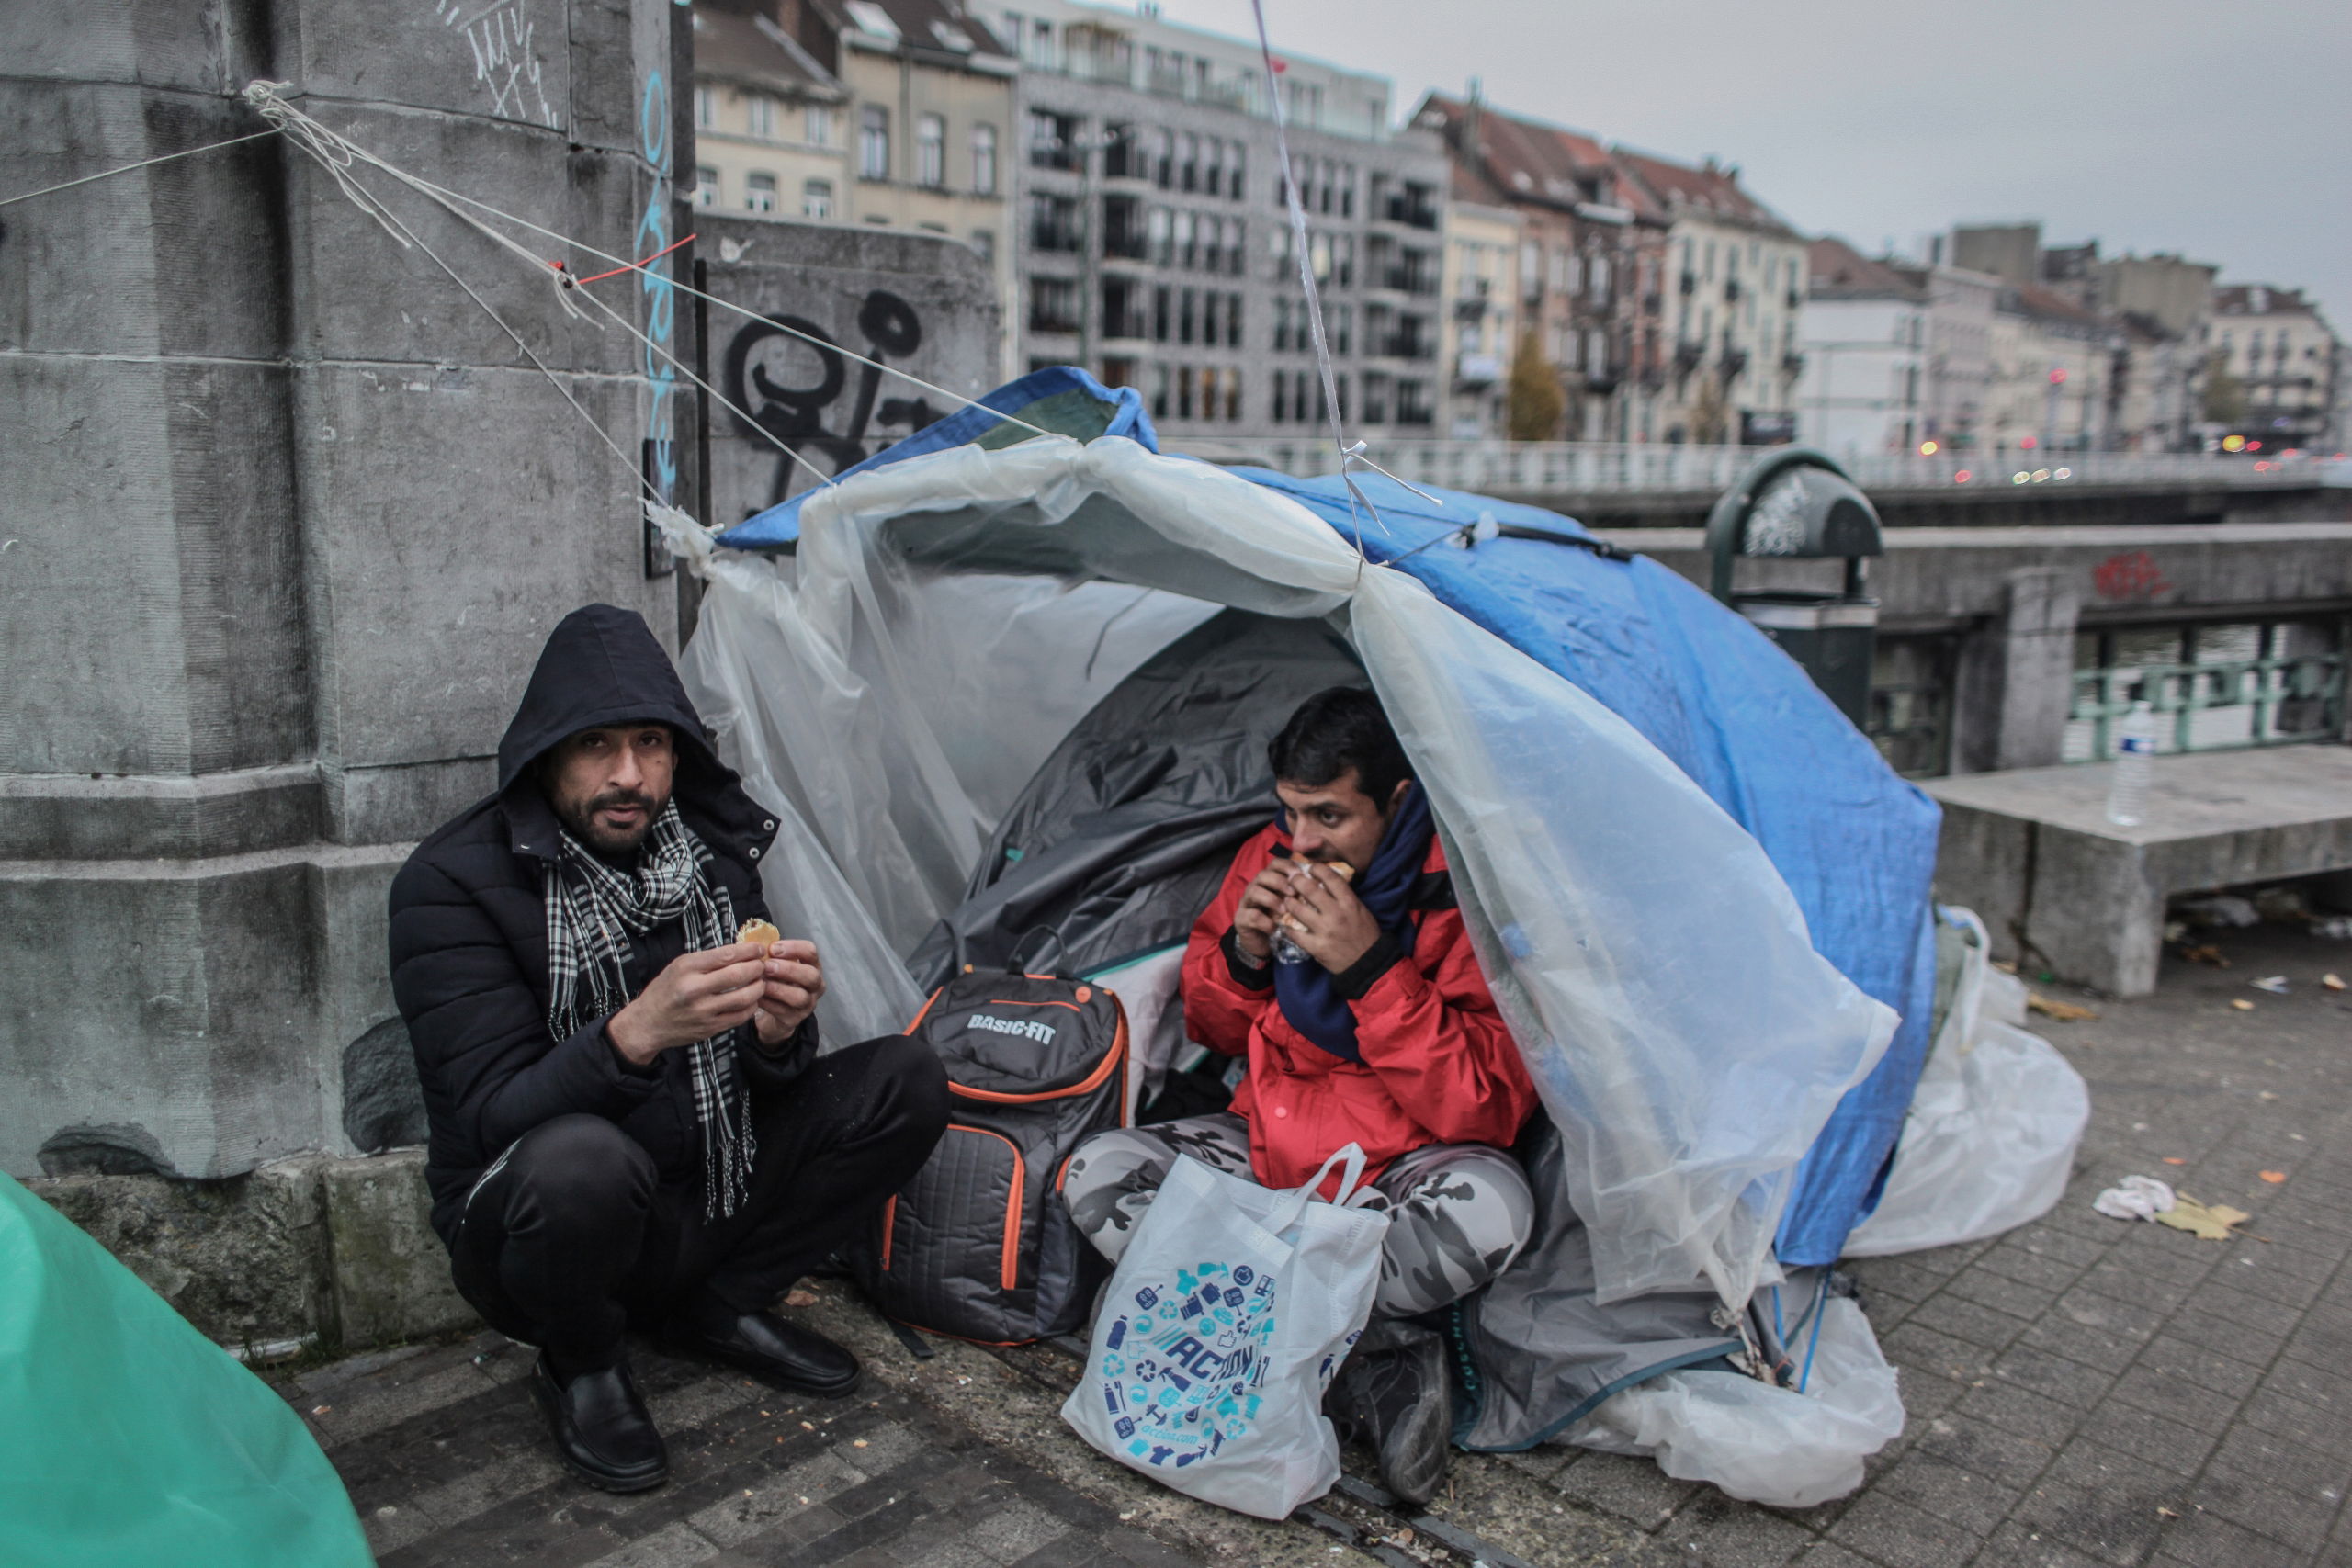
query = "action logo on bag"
{"x": 1182, "y": 1362}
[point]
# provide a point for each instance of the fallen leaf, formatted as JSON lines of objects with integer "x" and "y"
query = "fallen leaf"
{"x": 2241, "y": 1004}
{"x": 2275, "y": 984}
{"x": 2207, "y": 1223}
{"x": 2205, "y": 952}
{"x": 2174, "y": 1159}
{"x": 2050, "y": 1007}
{"x": 2333, "y": 982}
{"x": 2166, "y": 1514}
{"x": 2273, "y": 1176}
{"x": 799, "y": 1298}
{"x": 858, "y": 1443}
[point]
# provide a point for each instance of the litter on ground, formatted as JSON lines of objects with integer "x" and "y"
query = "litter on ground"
{"x": 2064, "y": 1013}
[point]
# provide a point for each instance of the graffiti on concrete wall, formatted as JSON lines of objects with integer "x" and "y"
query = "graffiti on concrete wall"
{"x": 789, "y": 375}
{"x": 499, "y": 34}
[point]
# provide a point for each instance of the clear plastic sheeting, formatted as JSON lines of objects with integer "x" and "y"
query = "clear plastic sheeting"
{"x": 1686, "y": 1038}
{"x": 1990, "y": 1139}
{"x": 1768, "y": 1445}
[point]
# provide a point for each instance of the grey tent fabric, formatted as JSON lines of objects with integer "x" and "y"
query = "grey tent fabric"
{"x": 1540, "y": 1353}
{"x": 1122, "y": 836}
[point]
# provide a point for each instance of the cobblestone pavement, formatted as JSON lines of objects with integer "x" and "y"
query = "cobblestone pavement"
{"x": 2081, "y": 1391}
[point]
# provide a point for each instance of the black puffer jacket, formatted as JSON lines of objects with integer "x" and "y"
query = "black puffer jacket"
{"x": 469, "y": 929}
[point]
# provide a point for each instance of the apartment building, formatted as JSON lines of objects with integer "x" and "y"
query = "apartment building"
{"x": 1479, "y": 328}
{"x": 2285, "y": 359}
{"x": 768, "y": 120}
{"x": 1736, "y": 296}
{"x": 1155, "y": 247}
{"x": 1590, "y": 251}
{"x": 896, "y": 113}
{"x": 1863, "y": 333}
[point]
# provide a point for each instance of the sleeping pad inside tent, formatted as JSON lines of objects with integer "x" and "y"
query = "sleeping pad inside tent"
{"x": 1045, "y": 669}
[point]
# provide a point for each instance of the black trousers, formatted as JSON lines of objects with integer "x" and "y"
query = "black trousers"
{"x": 571, "y": 1237}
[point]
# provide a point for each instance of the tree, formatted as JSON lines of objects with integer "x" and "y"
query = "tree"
{"x": 1707, "y": 415}
{"x": 1534, "y": 402}
{"x": 2224, "y": 393}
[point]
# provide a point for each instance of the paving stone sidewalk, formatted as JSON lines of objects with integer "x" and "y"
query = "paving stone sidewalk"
{"x": 2081, "y": 1391}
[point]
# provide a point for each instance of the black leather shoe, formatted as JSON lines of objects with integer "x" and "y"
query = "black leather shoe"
{"x": 778, "y": 1353}
{"x": 601, "y": 1427}
{"x": 1393, "y": 1394}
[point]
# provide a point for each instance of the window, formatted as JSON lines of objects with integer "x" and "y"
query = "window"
{"x": 1232, "y": 396}
{"x": 707, "y": 107}
{"x": 759, "y": 193}
{"x": 1282, "y": 325}
{"x": 1211, "y": 303}
{"x": 1159, "y": 299}
{"x": 1159, "y": 392}
{"x": 1213, "y": 167}
{"x": 706, "y": 186}
{"x": 984, "y": 160}
{"x": 1188, "y": 171}
{"x": 1186, "y": 309}
{"x": 1233, "y": 321}
{"x": 817, "y": 125}
{"x": 1187, "y": 245}
{"x": 1234, "y": 236}
{"x": 1343, "y": 325}
{"x": 816, "y": 199}
{"x": 761, "y": 109}
{"x": 874, "y": 143}
{"x": 1162, "y": 158}
{"x": 1053, "y": 141}
{"x": 1596, "y": 274}
{"x": 984, "y": 241}
{"x": 1053, "y": 305}
{"x": 1159, "y": 232}
{"x": 931, "y": 152}
{"x": 1184, "y": 391}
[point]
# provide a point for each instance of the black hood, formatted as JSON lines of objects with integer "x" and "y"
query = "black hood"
{"x": 602, "y": 665}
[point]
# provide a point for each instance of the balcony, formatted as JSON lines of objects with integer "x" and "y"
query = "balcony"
{"x": 1406, "y": 277}
{"x": 1689, "y": 283}
{"x": 1603, "y": 381}
{"x": 1791, "y": 365}
{"x": 1735, "y": 362}
{"x": 1057, "y": 237}
{"x": 1403, "y": 345}
{"x": 1414, "y": 208}
{"x": 1472, "y": 371}
{"x": 1731, "y": 291}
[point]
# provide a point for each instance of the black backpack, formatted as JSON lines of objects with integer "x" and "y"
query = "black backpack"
{"x": 978, "y": 1246}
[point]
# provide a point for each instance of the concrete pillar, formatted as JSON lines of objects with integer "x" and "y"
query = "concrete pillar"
{"x": 288, "y": 517}
{"x": 2015, "y": 684}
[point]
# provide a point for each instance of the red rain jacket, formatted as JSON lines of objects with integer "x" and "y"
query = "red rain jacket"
{"x": 1439, "y": 1066}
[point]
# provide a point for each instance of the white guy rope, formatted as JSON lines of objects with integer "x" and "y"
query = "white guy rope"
{"x": 264, "y": 96}
{"x": 1351, "y": 453}
{"x": 143, "y": 163}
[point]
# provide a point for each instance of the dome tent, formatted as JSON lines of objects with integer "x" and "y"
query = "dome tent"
{"x": 952, "y": 614}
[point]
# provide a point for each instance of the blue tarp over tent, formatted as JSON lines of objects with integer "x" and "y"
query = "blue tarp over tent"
{"x": 1855, "y": 843}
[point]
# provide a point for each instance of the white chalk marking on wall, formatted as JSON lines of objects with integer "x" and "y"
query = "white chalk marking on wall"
{"x": 500, "y": 35}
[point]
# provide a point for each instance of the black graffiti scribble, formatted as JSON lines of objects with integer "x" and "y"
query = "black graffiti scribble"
{"x": 796, "y": 414}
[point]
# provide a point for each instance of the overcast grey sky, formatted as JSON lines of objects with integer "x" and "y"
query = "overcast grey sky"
{"x": 2224, "y": 132}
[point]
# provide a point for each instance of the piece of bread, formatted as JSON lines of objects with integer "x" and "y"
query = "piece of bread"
{"x": 759, "y": 931}
{"x": 1346, "y": 873}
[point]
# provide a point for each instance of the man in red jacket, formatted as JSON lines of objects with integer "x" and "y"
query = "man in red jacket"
{"x": 1334, "y": 962}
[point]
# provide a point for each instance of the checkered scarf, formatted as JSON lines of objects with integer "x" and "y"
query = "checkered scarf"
{"x": 592, "y": 908}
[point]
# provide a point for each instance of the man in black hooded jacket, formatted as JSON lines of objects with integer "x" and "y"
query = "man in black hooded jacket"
{"x": 630, "y": 1124}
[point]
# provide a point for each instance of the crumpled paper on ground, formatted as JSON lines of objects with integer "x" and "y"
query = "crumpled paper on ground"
{"x": 2135, "y": 1198}
{"x": 2146, "y": 1198}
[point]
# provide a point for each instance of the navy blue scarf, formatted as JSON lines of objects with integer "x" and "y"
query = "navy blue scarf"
{"x": 1305, "y": 990}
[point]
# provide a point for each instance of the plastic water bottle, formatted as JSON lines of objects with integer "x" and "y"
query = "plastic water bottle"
{"x": 2135, "y": 758}
{"x": 1285, "y": 950}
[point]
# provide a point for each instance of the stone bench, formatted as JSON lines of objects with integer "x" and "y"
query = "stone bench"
{"x": 2032, "y": 850}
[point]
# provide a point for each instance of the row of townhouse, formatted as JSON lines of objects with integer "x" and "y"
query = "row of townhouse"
{"x": 2000, "y": 344}
{"x": 1482, "y": 275}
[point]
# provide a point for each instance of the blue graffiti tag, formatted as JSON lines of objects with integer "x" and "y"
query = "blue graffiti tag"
{"x": 661, "y": 314}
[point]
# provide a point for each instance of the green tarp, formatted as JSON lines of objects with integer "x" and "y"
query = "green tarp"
{"x": 129, "y": 1440}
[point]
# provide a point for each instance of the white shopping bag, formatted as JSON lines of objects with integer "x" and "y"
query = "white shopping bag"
{"x": 1223, "y": 1324}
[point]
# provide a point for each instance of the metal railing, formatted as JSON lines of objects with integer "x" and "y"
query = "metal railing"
{"x": 2274, "y": 700}
{"x": 1587, "y": 467}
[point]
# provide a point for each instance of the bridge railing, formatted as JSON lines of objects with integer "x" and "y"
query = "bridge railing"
{"x": 1590, "y": 467}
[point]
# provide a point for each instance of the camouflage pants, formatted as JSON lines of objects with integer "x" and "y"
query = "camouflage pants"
{"x": 1461, "y": 1210}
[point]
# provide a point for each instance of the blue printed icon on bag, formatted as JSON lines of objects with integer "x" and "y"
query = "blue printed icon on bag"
{"x": 1186, "y": 1386}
